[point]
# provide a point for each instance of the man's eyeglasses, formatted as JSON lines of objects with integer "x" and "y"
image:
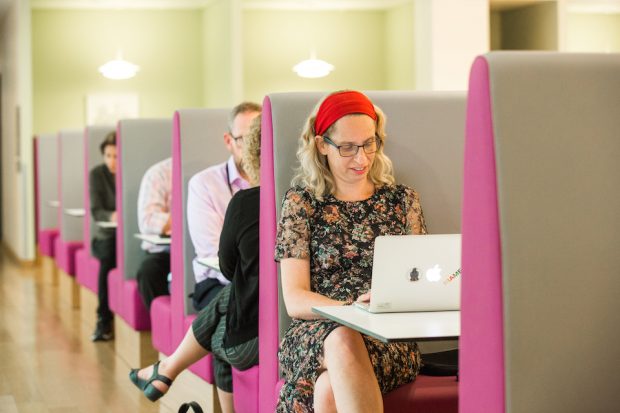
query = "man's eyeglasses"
{"x": 238, "y": 139}
{"x": 348, "y": 149}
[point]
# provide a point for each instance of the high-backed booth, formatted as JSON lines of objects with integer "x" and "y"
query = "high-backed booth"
{"x": 71, "y": 210}
{"x": 86, "y": 265}
{"x": 197, "y": 144}
{"x": 425, "y": 142}
{"x": 46, "y": 192}
{"x": 140, "y": 143}
{"x": 46, "y": 201}
{"x": 541, "y": 235}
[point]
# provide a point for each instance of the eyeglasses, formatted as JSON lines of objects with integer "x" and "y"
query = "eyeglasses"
{"x": 348, "y": 149}
{"x": 238, "y": 139}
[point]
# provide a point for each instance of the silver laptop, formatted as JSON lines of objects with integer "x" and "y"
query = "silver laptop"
{"x": 415, "y": 273}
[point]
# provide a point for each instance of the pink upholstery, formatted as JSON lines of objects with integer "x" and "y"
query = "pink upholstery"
{"x": 133, "y": 310}
{"x": 268, "y": 286}
{"x": 46, "y": 239}
{"x": 115, "y": 281}
{"x": 481, "y": 343}
{"x": 161, "y": 328}
{"x": 204, "y": 367}
{"x": 87, "y": 269}
{"x": 427, "y": 394}
{"x": 245, "y": 395}
{"x": 65, "y": 254}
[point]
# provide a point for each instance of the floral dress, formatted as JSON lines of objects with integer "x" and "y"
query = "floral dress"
{"x": 338, "y": 238}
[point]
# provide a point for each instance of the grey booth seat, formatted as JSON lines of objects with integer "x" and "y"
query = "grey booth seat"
{"x": 46, "y": 186}
{"x": 541, "y": 234}
{"x": 71, "y": 192}
{"x": 425, "y": 135}
{"x": 71, "y": 177}
{"x": 140, "y": 144}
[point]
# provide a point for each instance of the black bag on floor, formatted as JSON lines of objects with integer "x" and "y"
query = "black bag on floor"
{"x": 443, "y": 363}
{"x": 191, "y": 405}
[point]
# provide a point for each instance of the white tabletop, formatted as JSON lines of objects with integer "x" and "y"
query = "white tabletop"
{"x": 211, "y": 262}
{"x": 53, "y": 204}
{"x": 387, "y": 327}
{"x": 106, "y": 224}
{"x": 75, "y": 212}
{"x": 154, "y": 239}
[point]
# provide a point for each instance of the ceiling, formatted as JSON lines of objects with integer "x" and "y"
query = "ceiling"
{"x": 183, "y": 4}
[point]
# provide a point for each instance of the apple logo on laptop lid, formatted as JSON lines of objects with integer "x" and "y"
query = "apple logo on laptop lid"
{"x": 433, "y": 274}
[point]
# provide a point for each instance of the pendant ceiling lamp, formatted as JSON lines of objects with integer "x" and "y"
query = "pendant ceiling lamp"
{"x": 313, "y": 68}
{"x": 119, "y": 69}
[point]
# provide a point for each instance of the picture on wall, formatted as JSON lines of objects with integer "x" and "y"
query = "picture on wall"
{"x": 109, "y": 108}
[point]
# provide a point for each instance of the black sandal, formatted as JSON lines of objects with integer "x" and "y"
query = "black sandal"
{"x": 151, "y": 392}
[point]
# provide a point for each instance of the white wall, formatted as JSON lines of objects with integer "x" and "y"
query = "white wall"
{"x": 449, "y": 35}
{"x": 17, "y": 155}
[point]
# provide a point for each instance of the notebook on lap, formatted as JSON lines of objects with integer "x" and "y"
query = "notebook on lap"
{"x": 415, "y": 273}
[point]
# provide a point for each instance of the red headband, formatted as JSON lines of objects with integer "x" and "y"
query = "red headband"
{"x": 341, "y": 104}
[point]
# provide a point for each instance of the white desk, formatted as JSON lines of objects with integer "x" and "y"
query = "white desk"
{"x": 75, "y": 212}
{"x": 211, "y": 262}
{"x": 106, "y": 224}
{"x": 154, "y": 239}
{"x": 387, "y": 327}
{"x": 53, "y": 204}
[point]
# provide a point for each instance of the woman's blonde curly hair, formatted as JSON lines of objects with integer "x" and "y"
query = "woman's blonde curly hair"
{"x": 313, "y": 172}
{"x": 250, "y": 157}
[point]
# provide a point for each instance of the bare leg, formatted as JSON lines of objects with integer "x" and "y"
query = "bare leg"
{"x": 188, "y": 352}
{"x": 226, "y": 401}
{"x": 352, "y": 378}
{"x": 324, "y": 395}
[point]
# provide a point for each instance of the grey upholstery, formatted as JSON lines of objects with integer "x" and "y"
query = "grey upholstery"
{"x": 94, "y": 136}
{"x": 425, "y": 136}
{"x": 71, "y": 174}
{"x": 47, "y": 178}
{"x": 202, "y": 146}
{"x": 556, "y": 124}
{"x": 142, "y": 143}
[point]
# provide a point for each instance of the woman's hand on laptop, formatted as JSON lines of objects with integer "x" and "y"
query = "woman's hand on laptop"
{"x": 364, "y": 297}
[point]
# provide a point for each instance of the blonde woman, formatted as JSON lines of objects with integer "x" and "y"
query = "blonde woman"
{"x": 228, "y": 326}
{"x": 343, "y": 197}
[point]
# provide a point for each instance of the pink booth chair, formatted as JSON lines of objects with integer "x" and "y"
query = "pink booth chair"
{"x": 539, "y": 311}
{"x": 46, "y": 192}
{"x": 86, "y": 265}
{"x": 140, "y": 143}
{"x": 70, "y": 190}
{"x": 425, "y": 143}
{"x": 196, "y": 145}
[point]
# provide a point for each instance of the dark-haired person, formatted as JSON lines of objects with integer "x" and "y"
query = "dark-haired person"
{"x": 102, "y": 191}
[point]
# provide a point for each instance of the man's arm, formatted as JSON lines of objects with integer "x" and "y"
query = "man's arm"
{"x": 205, "y": 223}
{"x": 153, "y": 212}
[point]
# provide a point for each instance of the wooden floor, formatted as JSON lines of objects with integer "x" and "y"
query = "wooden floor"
{"x": 47, "y": 362}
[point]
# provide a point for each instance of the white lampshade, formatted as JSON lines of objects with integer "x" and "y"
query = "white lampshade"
{"x": 313, "y": 68}
{"x": 118, "y": 69}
